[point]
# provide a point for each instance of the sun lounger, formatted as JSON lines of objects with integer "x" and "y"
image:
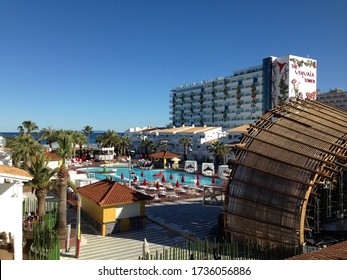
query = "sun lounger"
{"x": 169, "y": 186}
{"x": 171, "y": 194}
{"x": 149, "y": 167}
{"x": 189, "y": 170}
{"x": 76, "y": 164}
{"x": 208, "y": 173}
{"x": 191, "y": 191}
{"x": 162, "y": 193}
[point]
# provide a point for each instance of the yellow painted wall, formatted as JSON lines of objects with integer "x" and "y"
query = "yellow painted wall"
{"x": 92, "y": 209}
{"x": 109, "y": 214}
{"x": 103, "y": 230}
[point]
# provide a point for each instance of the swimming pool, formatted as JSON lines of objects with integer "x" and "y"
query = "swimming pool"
{"x": 171, "y": 176}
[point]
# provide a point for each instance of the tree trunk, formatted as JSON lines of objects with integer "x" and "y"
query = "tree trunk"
{"x": 41, "y": 201}
{"x": 61, "y": 224}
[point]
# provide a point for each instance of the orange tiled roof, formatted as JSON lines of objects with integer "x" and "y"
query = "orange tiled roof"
{"x": 107, "y": 192}
{"x": 334, "y": 252}
{"x": 52, "y": 156}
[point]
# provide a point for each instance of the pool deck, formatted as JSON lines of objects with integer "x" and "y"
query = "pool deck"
{"x": 184, "y": 191}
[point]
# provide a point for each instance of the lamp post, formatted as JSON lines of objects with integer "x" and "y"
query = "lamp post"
{"x": 78, "y": 226}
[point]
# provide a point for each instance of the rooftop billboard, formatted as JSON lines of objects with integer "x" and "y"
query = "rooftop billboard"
{"x": 293, "y": 77}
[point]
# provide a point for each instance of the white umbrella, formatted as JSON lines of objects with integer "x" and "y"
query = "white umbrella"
{"x": 145, "y": 249}
{"x": 175, "y": 159}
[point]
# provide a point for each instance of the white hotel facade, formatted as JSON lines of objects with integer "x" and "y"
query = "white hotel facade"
{"x": 221, "y": 109}
{"x": 244, "y": 96}
{"x": 201, "y": 139}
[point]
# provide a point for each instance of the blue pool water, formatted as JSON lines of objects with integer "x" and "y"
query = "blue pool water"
{"x": 149, "y": 175}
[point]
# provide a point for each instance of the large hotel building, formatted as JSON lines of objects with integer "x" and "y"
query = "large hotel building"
{"x": 244, "y": 96}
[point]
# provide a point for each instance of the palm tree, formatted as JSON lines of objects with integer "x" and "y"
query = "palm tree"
{"x": 222, "y": 152}
{"x": 21, "y": 130}
{"x": 24, "y": 147}
{"x": 146, "y": 144}
{"x": 88, "y": 130}
{"x": 117, "y": 145}
{"x": 108, "y": 139}
{"x": 78, "y": 138}
{"x": 152, "y": 148}
{"x": 185, "y": 141}
{"x": 213, "y": 149}
{"x": 124, "y": 144}
{"x": 219, "y": 150}
{"x": 49, "y": 134}
{"x": 65, "y": 151}
{"x": 29, "y": 126}
{"x": 41, "y": 181}
{"x": 163, "y": 145}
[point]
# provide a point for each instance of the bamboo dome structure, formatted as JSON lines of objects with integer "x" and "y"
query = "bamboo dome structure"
{"x": 287, "y": 176}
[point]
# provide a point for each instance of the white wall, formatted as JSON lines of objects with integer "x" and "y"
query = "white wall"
{"x": 128, "y": 211}
{"x": 2, "y": 141}
{"x": 5, "y": 157}
{"x": 53, "y": 164}
{"x": 11, "y": 198}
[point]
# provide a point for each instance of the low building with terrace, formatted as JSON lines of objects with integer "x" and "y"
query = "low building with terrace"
{"x": 111, "y": 207}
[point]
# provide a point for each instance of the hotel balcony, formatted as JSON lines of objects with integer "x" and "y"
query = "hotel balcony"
{"x": 220, "y": 93}
{"x": 218, "y": 87}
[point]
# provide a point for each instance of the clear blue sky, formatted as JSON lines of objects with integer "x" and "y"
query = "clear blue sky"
{"x": 111, "y": 64}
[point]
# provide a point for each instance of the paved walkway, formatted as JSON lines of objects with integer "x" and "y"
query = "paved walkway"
{"x": 168, "y": 223}
{"x": 189, "y": 217}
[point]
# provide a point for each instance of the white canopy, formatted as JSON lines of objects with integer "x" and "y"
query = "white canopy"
{"x": 207, "y": 168}
{"x": 191, "y": 166}
{"x": 223, "y": 171}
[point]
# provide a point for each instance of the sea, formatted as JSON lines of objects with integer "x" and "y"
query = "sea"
{"x": 92, "y": 136}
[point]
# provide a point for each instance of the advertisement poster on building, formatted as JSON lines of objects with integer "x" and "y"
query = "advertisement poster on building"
{"x": 293, "y": 78}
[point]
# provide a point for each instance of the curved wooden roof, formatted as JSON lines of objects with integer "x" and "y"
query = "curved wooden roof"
{"x": 282, "y": 161}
